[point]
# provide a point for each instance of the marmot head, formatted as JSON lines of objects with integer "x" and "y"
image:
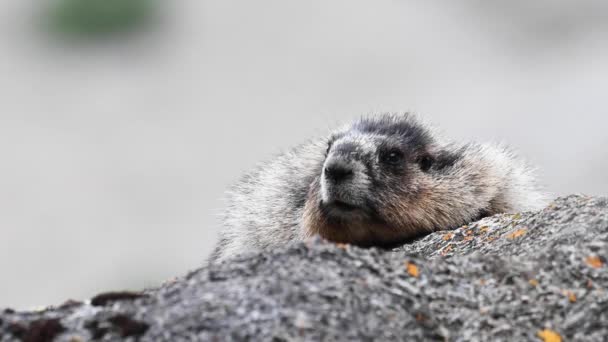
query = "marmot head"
{"x": 380, "y": 184}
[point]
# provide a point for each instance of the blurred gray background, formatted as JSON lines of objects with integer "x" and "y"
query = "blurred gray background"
{"x": 117, "y": 141}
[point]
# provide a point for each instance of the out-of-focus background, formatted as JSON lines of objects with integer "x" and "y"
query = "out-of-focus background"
{"x": 123, "y": 121}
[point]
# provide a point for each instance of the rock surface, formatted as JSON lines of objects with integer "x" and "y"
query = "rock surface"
{"x": 528, "y": 276}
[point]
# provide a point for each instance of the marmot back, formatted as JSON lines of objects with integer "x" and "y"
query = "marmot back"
{"x": 380, "y": 181}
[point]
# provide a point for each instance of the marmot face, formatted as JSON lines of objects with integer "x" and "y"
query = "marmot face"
{"x": 372, "y": 186}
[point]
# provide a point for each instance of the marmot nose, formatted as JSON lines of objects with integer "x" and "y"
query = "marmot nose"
{"x": 338, "y": 172}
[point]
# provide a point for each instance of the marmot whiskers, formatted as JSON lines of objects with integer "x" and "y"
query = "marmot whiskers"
{"x": 381, "y": 181}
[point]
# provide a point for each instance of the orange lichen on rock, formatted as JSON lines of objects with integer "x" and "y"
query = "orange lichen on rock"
{"x": 490, "y": 238}
{"x": 548, "y": 335}
{"x": 411, "y": 269}
{"x": 484, "y": 229}
{"x": 571, "y": 296}
{"x": 446, "y": 250}
{"x": 342, "y": 245}
{"x": 448, "y": 236}
{"x": 594, "y": 261}
{"x": 533, "y": 282}
{"x": 516, "y": 234}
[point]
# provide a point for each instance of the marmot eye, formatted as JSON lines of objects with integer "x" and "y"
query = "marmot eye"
{"x": 392, "y": 157}
{"x": 425, "y": 162}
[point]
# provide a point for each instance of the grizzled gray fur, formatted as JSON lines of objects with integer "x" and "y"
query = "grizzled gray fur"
{"x": 379, "y": 181}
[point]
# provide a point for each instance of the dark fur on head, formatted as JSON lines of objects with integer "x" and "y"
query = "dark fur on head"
{"x": 398, "y": 160}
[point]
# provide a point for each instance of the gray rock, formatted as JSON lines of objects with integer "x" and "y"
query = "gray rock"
{"x": 504, "y": 278}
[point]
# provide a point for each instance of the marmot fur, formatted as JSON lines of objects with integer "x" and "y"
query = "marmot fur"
{"x": 380, "y": 181}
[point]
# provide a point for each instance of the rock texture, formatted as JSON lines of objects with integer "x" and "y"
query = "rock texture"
{"x": 529, "y": 276}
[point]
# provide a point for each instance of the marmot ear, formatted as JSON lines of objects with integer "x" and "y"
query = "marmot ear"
{"x": 438, "y": 157}
{"x": 329, "y": 143}
{"x": 445, "y": 159}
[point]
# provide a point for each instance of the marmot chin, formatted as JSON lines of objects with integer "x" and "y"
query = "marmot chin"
{"x": 380, "y": 181}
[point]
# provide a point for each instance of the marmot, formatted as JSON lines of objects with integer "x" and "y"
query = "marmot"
{"x": 380, "y": 181}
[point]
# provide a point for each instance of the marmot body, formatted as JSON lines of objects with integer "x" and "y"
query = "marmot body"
{"x": 380, "y": 181}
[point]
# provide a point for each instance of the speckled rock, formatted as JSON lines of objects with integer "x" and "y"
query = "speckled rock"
{"x": 525, "y": 276}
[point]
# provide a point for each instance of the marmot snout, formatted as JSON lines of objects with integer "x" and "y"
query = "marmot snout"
{"x": 378, "y": 182}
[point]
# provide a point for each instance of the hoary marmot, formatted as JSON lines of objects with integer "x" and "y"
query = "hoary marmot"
{"x": 380, "y": 181}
